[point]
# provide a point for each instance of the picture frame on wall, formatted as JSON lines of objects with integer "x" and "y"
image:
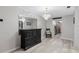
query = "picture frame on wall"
{"x": 28, "y": 23}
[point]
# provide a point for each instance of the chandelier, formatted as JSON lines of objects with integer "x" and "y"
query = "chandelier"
{"x": 46, "y": 15}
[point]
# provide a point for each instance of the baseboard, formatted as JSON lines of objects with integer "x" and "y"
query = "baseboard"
{"x": 9, "y": 51}
{"x": 66, "y": 38}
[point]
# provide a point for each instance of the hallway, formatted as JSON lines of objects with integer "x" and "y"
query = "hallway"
{"x": 55, "y": 45}
{"x": 32, "y": 24}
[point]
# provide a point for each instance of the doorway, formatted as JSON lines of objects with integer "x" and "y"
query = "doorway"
{"x": 57, "y": 26}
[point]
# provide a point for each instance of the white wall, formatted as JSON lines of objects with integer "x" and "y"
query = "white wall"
{"x": 76, "y": 31}
{"x": 8, "y": 29}
{"x": 67, "y": 28}
{"x": 41, "y": 23}
{"x": 34, "y": 23}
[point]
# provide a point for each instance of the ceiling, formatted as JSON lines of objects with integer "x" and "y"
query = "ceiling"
{"x": 54, "y": 11}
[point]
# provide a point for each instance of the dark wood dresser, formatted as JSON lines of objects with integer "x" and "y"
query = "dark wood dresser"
{"x": 30, "y": 38}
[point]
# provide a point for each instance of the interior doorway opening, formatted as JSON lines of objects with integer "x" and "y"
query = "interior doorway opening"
{"x": 57, "y": 26}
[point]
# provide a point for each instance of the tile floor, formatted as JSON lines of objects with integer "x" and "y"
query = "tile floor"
{"x": 54, "y": 45}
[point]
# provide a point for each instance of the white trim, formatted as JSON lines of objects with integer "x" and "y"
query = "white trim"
{"x": 8, "y": 51}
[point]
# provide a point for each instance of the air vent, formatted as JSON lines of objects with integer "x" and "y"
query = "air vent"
{"x": 68, "y": 6}
{"x": 1, "y": 20}
{"x": 57, "y": 18}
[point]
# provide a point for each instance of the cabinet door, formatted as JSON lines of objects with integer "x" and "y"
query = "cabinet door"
{"x": 39, "y": 33}
{"x": 29, "y": 41}
{"x": 22, "y": 42}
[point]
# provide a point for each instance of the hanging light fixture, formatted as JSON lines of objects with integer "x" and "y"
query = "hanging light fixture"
{"x": 46, "y": 15}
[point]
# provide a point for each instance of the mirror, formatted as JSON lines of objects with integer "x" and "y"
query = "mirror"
{"x": 27, "y": 22}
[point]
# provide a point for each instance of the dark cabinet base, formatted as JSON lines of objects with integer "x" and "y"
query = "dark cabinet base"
{"x": 30, "y": 38}
{"x": 26, "y": 48}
